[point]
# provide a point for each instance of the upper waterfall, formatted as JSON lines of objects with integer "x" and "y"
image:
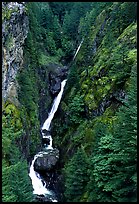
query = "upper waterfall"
{"x": 78, "y": 49}
{"x": 57, "y": 100}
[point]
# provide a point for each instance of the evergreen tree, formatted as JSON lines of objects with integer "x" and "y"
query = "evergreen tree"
{"x": 76, "y": 176}
{"x": 16, "y": 184}
{"x": 57, "y": 32}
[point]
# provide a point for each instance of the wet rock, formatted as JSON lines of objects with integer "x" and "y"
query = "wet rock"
{"x": 57, "y": 74}
{"x": 46, "y": 140}
{"x": 46, "y": 132}
{"x": 46, "y": 198}
{"x": 116, "y": 98}
{"x": 47, "y": 160}
{"x": 55, "y": 84}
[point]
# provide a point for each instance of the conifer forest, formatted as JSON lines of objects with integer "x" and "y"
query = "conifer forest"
{"x": 69, "y": 102}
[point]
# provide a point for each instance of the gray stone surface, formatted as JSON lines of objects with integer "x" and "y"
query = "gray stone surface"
{"x": 14, "y": 32}
{"x": 47, "y": 160}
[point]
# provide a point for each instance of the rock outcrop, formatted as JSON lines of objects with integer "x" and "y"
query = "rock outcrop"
{"x": 14, "y": 31}
{"x": 56, "y": 75}
{"x": 47, "y": 160}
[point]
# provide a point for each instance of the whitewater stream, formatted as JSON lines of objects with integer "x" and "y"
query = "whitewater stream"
{"x": 38, "y": 184}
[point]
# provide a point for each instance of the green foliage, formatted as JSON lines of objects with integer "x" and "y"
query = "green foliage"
{"x": 67, "y": 47}
{"x": 16, "y": 186}
{"x": 88, "y": 21}
{"x": 30, "y": 100}
{"x": 73, "y": 77}
{"x": 76, "y": 176}
{"x": 102, "y": 149}
{"x": 12, "y": 130}
{"x": 50, "y": 43}
{"x": 75, "y": 109}
{"x": 46, "y": 16}
{"x": 57, "y": 32}
{"x": 59, "y": 9}
{"x": 115, "y": 157}
{"x": 102, "y": 67}
{"x": 79, "y": 10}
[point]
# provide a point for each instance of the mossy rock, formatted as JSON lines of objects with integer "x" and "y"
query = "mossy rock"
{"x": 90, "y": 101}
{"x": 6, "y": 12}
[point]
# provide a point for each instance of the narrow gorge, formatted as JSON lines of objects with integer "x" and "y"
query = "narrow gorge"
{"x": 48, "y": 158}
{"x": 69, "y": 101}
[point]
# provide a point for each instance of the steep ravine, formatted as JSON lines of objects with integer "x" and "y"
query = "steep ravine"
{"x": 45, "y": 161}
{"x": 55, "y": 140}
{"x": 45, "y": 165}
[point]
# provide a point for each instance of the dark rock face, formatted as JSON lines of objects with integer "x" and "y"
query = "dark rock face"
{"x": 55, "y": 84}
{"x": 44, "y": 94}
{"x": 47, "y": 160}
{"x": 54, "y": 183}
{"x": 115, "y": 98}
{"x": 56, "y": 76}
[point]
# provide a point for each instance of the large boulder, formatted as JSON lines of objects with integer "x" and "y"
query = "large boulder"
{"x": 46, "y": 198}
{"x": 46, "y": 160}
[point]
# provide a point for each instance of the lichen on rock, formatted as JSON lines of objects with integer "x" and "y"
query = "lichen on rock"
{"x": 14, "y": 32}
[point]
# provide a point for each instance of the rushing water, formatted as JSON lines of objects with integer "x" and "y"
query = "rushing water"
{"x": 78, "y": 49}
{"x": 47, "y": 123}
{"x": 38, "y": 184}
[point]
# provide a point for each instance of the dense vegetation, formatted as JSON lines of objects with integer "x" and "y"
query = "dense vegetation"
{"x": 100, "y": 109}
{"x": 95, "y": 127}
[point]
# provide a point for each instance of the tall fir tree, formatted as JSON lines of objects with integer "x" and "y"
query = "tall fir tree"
{"x": 76, "y": 176}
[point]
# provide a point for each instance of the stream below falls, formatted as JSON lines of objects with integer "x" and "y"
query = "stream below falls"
{"x": 39, "y": 185}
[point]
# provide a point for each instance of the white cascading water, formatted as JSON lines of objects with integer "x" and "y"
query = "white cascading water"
{"x": 78, "y": 49}
{"x": 47, "y": 123}
{"x": 38, "y": 186}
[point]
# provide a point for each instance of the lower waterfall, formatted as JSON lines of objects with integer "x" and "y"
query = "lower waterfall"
{"x": 39, "y": 185}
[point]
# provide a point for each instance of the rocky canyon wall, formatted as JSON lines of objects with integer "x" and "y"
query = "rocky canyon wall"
{"x": 14, "y": 32}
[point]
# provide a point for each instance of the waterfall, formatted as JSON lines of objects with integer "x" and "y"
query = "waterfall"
{"x": 47, "y": 123}
{"x": 78, "y": 49}
{"x": 50, "y": 139}
{"x": 38, "y": 184}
